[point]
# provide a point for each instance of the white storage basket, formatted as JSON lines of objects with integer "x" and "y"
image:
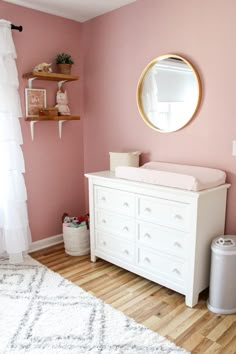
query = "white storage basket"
{"x": 76, "y": 240}
{"x": 124, "y": 159}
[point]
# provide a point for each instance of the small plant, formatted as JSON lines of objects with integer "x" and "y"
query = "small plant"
{"x": 64, "y": 58}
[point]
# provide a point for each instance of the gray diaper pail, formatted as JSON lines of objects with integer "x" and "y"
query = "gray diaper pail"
{"x": 222, "y": 293}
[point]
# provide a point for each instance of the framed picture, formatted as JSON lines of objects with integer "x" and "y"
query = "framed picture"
{"x": 34, "y": 99}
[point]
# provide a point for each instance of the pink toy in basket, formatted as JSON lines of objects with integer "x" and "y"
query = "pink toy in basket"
{"x": 62, "y": 103}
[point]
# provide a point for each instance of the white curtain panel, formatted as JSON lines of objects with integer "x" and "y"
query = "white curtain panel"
{"x": 15, "y": 235}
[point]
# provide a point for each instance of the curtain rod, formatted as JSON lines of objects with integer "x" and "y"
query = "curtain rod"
{"x": 18, "y": 28}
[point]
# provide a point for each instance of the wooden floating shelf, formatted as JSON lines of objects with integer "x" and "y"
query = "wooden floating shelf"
{"x": 60, "y": 78}
{"x": 53, "y": 118}
{"x": 50, "y": 76}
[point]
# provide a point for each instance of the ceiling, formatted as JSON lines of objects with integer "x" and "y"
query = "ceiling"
{"x": 78, "y": 10}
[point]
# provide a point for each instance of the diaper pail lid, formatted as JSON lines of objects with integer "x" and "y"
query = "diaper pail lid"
{"x": 224, "y": 245}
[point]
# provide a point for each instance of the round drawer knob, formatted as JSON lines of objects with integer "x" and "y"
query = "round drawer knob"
{"x": 176, "y": 271}
{"x": 147, "y": 210}
{"x": 178, "y": 217}
{"x": 147, "y": 260}
{"x": 104, "y": 221}
{"x": 126, "y": 205}
{"x": 177, "y": 244}
{"x": 125, "y": 228}
{"x": 126, "y": 252}
{"x": 104, "y": 243}
{"x": 103, "y": 199}
{"x": 147, "y": 235}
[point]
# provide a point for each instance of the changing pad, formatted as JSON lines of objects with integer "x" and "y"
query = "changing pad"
{"x": 187, "y": 177}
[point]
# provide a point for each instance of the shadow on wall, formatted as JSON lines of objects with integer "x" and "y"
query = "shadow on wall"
{"x": 145, "y": 157}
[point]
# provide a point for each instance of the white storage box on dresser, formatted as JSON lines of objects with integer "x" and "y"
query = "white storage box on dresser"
{"x": 161, "y": 233}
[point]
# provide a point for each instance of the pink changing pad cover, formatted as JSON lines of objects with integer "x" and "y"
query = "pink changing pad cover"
{"x": 194, "y": 178}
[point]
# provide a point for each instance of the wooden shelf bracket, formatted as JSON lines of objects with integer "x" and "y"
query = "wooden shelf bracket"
{"x": 30, "y": 82}
{"x": 60, "y": 122}
{"x": 32, "y": 123}
{"x": 60, "y": 83}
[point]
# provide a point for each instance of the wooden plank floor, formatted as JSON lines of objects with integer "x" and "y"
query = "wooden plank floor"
{"x": 162, "y": 310}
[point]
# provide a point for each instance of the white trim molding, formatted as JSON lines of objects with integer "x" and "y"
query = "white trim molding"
{"x": 46, "y": 242}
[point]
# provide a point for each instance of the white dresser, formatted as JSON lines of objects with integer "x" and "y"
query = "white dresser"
{"x": 163, "y": 234}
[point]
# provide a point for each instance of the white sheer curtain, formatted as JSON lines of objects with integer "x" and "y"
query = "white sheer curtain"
{"x": 14, "y": 227}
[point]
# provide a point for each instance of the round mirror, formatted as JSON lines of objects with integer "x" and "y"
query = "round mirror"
{"x": 168, "y": 93}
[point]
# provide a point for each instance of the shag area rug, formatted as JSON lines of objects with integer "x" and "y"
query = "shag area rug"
{"x": 42, "y": 313}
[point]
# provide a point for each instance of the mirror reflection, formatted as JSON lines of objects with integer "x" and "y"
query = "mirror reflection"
{"x": 168, "y": 93}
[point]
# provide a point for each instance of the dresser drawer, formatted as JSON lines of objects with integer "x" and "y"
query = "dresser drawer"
{"x": 116, "y": 224}
{"x": 162, "y": 264}
{"x": 115, "y": 200}
{"x": 164, "y": 212}
{"x": 115, "y": 246}
{"x": 163, "y": 239}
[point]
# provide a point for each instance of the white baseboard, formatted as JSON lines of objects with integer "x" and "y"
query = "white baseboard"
{"x": 46, "y": 242}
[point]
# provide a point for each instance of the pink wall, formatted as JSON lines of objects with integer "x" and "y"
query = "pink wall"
{"x": 116, "y": 48}
{"x": 54, "y": 167}
{"x": 110, "y": 52}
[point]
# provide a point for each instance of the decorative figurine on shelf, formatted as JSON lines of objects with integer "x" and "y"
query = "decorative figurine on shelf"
{"x": 43, "y": 68}
{"x": 62, "y": 103}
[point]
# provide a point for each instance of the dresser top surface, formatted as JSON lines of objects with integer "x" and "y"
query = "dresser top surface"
{"x": 110, "y": 176}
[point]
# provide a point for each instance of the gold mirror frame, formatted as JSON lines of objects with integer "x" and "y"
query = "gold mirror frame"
{"x": 140, "y": 90}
